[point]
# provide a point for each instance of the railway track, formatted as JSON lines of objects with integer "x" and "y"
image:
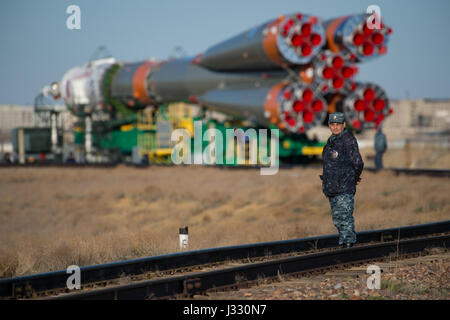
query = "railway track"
{"x": 243, "y": 276}
{"x": 440, "y": 173}
{"x": 157, "y": 272}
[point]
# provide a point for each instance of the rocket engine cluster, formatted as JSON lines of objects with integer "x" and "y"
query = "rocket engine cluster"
{"x": 290, "y": 72}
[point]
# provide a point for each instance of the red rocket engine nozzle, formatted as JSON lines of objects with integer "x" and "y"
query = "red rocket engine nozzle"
{"x": 301, "y": 107}
{"x": 334, "y": 72}
{"x": 366, "y": 107}
{"x": 301, "y": 37}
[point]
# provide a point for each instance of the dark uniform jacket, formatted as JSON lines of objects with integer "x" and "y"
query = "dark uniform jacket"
{"x": 342, "y": 165}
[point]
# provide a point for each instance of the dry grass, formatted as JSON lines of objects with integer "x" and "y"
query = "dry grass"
{"x": 51, "y": 218}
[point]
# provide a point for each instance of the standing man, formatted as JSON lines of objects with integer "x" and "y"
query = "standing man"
{"x": 342, "y": 168}
{"x": 380, "y": 147}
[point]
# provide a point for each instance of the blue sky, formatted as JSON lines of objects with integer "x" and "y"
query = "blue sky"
{"x": 36, "y": 47}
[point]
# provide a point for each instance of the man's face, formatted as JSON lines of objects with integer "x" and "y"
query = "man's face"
{"x": 336, "y": 128}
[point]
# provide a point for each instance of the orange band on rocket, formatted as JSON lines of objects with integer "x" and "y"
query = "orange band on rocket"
{"x": 140, "y": 84}
{"x": 271, "y": 105}
{"x": 331, "y": 31}
{"x": 270, "y": 43}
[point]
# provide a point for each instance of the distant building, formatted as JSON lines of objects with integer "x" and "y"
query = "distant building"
{"x": 426, "y": 120}
{"x": 13, "y": 116}
{"x": 420, "y": 113}
{"x": 416, "y": 117}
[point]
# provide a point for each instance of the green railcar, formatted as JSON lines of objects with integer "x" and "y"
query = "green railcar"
{"x": 153, "y": 140}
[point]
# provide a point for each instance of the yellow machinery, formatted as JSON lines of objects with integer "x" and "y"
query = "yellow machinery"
{"x": 155, "y": 129}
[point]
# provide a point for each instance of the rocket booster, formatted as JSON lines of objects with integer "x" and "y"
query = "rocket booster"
{"x": 355, "y": 35}
{"x": 287, "y": 41}
{"x": 291, "y": 106}
{"x": 287, "y": 72}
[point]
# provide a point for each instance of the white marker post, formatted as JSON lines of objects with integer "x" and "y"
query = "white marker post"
{"x": 184, "y": 238}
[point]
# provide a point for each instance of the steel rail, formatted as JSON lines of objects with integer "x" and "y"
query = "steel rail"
{"x": 23, "y": 286}
{"x": 200, "y": 282}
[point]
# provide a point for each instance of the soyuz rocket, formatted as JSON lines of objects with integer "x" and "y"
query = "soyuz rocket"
{"x": 289, "y": 72}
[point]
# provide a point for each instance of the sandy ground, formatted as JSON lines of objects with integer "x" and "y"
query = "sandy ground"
{"x": 51, "y": 218}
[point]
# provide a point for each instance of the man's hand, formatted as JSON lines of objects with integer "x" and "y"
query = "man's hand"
{"x": 358, "y": 181}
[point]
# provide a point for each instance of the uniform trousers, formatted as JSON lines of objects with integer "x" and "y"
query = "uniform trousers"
{"x": 342, "y": 211}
